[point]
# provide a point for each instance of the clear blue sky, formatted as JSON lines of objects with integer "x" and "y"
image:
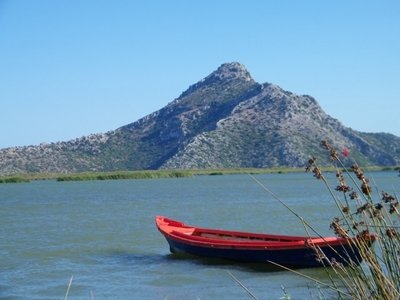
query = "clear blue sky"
{"x": 71, "y": 68}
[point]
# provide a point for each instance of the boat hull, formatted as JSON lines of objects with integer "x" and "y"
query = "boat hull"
{"x": 303, "y": 257}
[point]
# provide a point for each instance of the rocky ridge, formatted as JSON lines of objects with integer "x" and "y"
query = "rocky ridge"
{"x": 224, "y": 120}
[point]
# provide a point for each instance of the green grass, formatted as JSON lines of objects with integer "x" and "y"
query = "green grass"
{"x": 126, "y": 175}
{"x": 13, "y": 179}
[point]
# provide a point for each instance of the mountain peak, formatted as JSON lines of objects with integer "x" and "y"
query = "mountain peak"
{"x": 231, "y": 70}
{"x": 227, "y": 72}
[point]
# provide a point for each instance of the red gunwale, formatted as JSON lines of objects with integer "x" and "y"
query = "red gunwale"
{"x": 205, "y": 237}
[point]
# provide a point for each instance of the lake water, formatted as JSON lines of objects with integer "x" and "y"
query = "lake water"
{"x": 103, "y": 234}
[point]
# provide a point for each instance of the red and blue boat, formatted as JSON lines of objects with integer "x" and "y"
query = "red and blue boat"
{"x": 289, "y": 251}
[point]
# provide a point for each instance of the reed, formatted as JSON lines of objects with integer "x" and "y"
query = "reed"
{"x": 126, "y": 175}
{"x": 371, "y": 212}
{"x": 362, "y": 213}
{"x": 13, "y": 179}
{"x": 68, "y": 288}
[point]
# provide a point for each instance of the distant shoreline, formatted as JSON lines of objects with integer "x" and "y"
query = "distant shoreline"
{"x": 149, "y": 174}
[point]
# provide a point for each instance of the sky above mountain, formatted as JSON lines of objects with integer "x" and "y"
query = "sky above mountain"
{"x": 72, "y": 68}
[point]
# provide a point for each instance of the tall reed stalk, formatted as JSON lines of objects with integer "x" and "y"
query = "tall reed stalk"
{"x": 362, "y": 214}
{"x": 368, "y": 216}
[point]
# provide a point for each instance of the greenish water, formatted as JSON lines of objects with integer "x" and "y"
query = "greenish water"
{"x": 103, "y": 234}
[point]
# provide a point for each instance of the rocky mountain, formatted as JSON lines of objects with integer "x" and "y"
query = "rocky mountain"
{"x": 224, "y": 120}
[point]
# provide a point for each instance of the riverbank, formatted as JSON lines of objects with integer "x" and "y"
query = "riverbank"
{"x": 149, "y": 174}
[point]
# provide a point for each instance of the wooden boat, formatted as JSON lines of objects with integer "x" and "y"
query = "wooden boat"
{"x": 289, "y": 251}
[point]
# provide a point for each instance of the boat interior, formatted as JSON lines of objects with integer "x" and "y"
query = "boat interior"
{"x": 242, "y": 236}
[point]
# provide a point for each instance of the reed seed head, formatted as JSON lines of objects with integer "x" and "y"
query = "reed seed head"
{"x": 392, "y": 208}
{"x": 340, "y": 177}
{"x": 311, "y": 162}
{"x": 333, "y": 154}
{"x": 366, "y": 189}
{"x": 363, "y": 208}
{"x": 355, "y": 224}
{"x": 387, "y": 198}
{"x": 338, "y": 229}
{"x": 392, "y": 233}
{"x": 353, "y": 195}
{"x": 317, "y": 173}
{"x": 364, "y": 236}
{"x": 343, "y": 188}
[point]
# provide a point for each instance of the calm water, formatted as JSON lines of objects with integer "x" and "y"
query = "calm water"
{"x": 103, "y": 234}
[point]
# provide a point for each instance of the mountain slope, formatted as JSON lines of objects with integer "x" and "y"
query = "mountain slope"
{"x": 225, "y": 120}
{"x": 278, "y": 128}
